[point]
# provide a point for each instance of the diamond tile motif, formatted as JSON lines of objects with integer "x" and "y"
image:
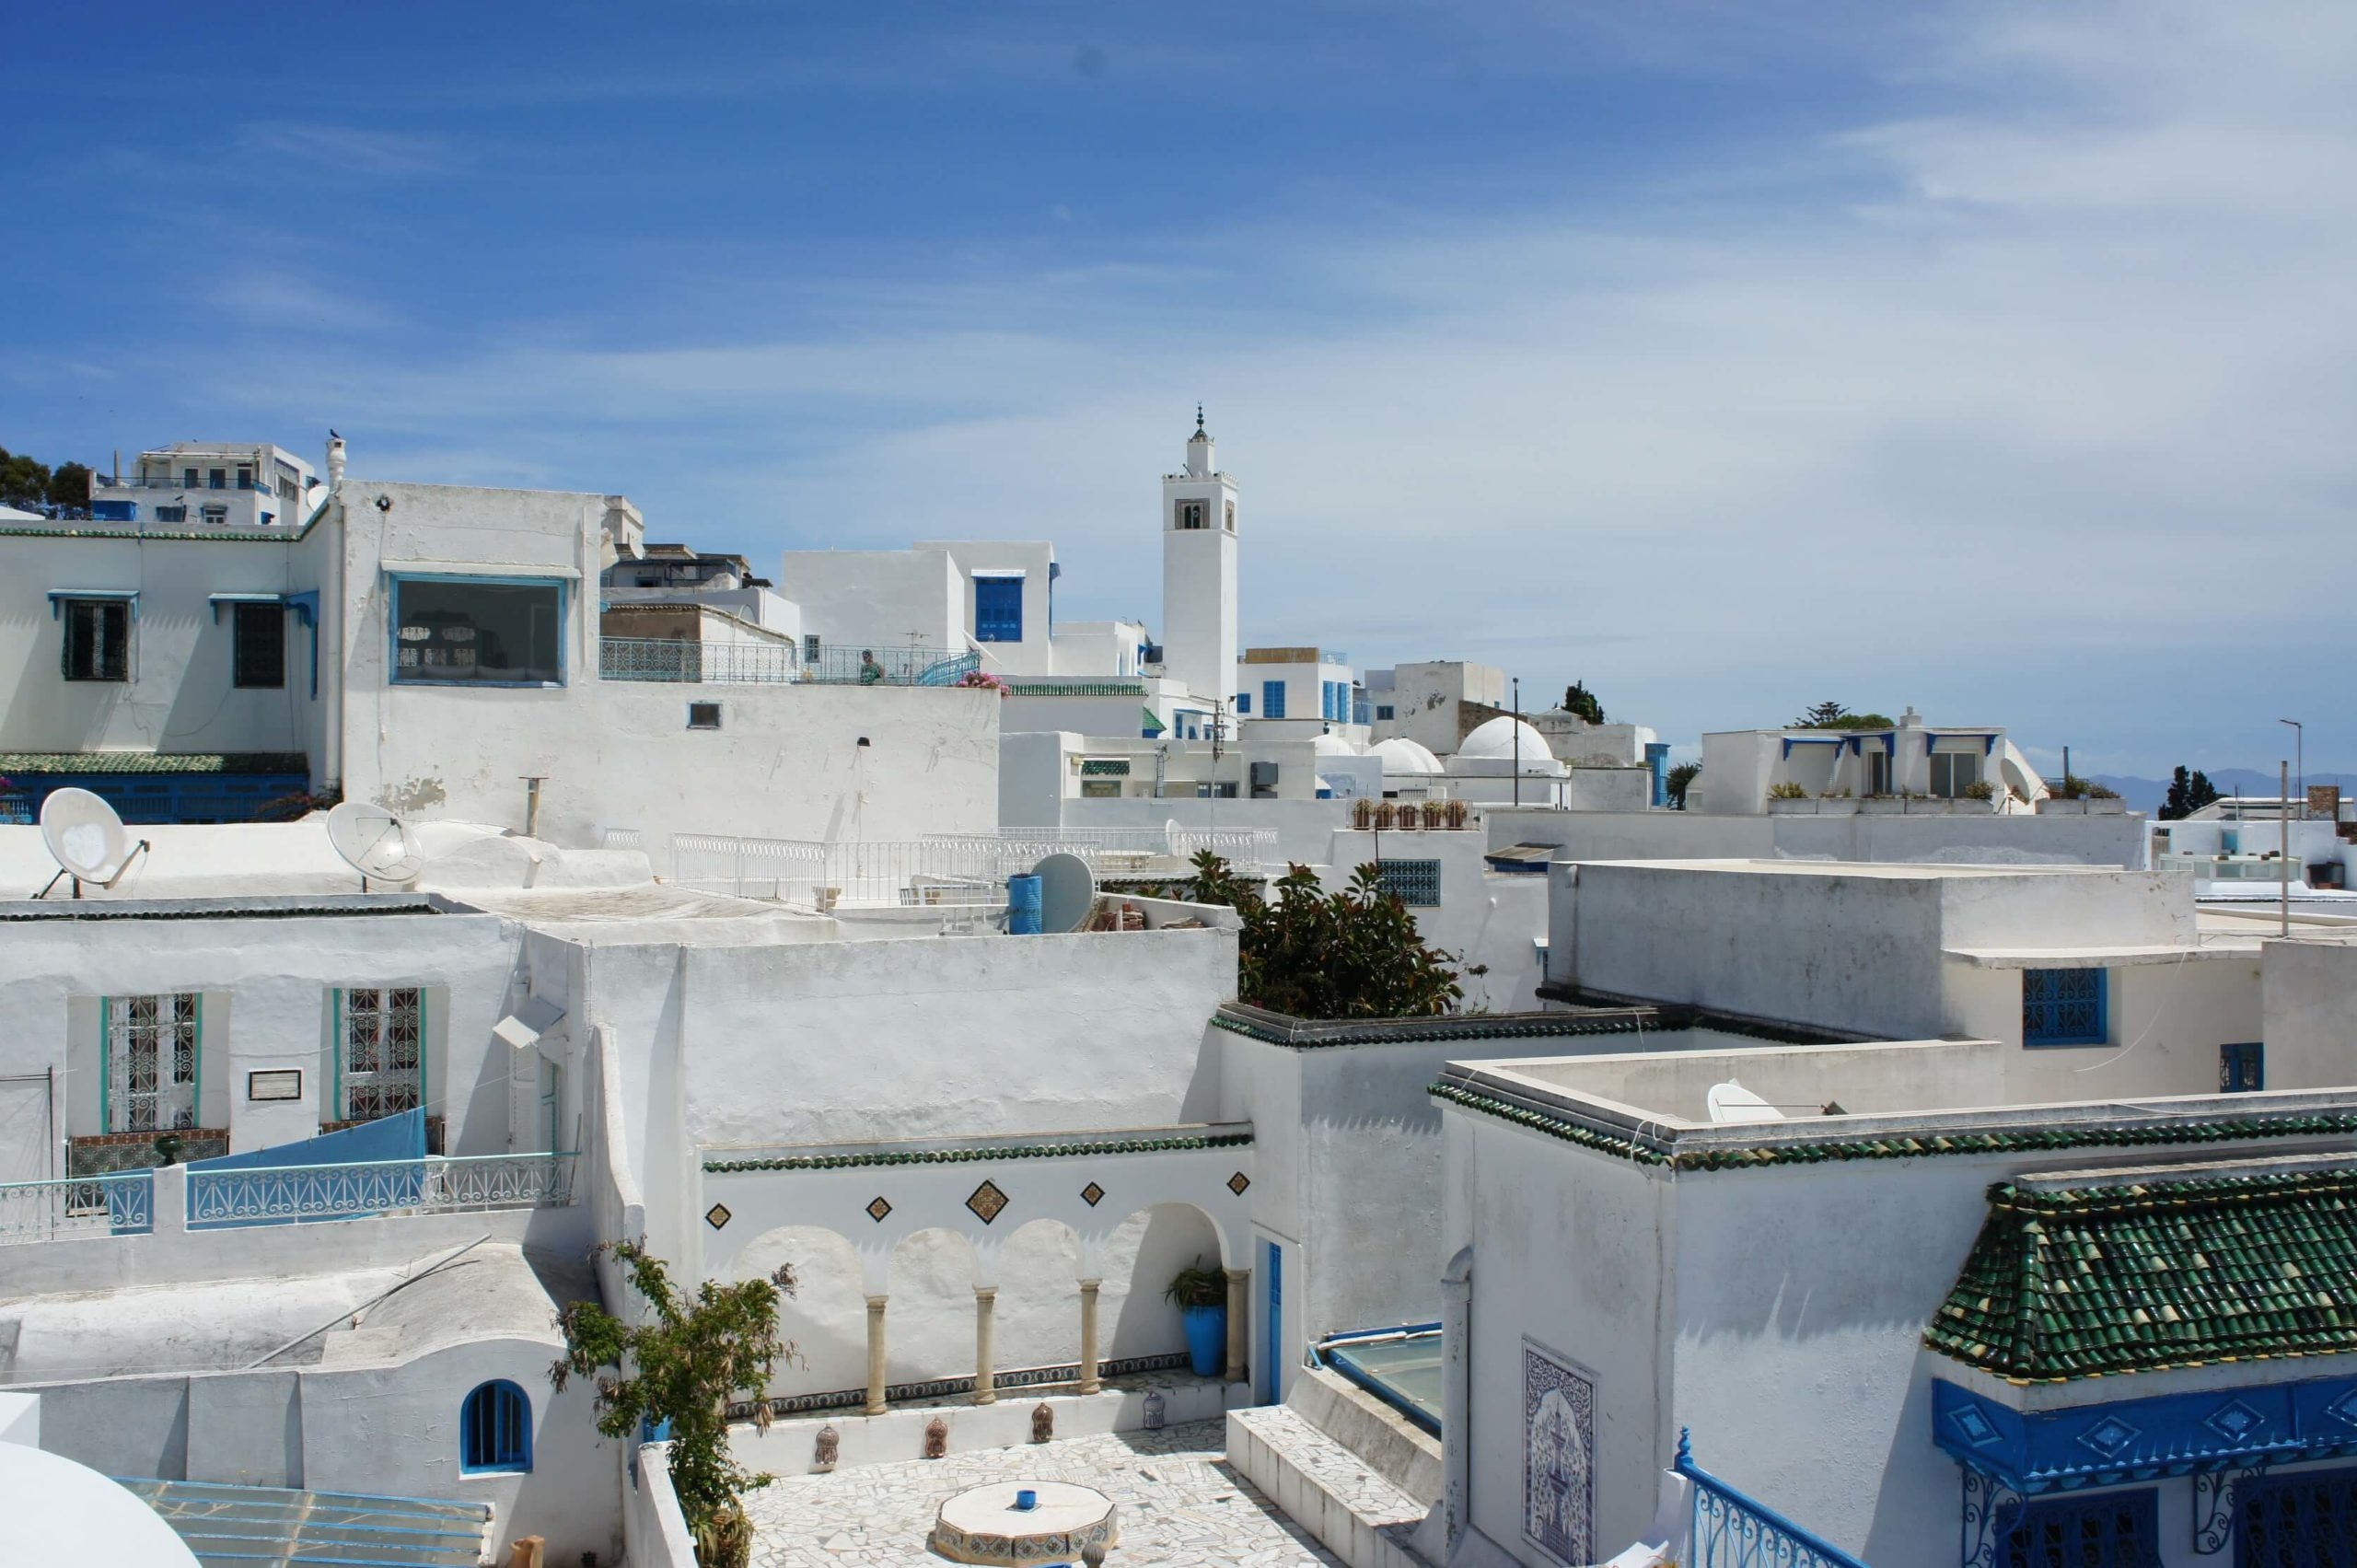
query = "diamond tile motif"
{"x": 2234, "y": 1421}
{"x": 2344, "y": 1408}
{"x": 1092, "y": 1194}
{"x": 716, "y": 1215}
{"x": 987, "y": 1202}
{"x": 1976, "y": 1428}
{"x": 878, "y": 1209}
{"x": 2109, "y": 1436}
{"x": 1238, "y": 1182}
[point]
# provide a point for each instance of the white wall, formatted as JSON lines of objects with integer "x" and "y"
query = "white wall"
{"x": 1490, "y": 917}
{"x": 2308, "y": 998}
{"x": 874, "y": 598}
{"x": 1036, "y": 559}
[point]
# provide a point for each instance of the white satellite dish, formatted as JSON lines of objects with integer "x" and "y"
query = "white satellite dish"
{"x": 374, "y": 842}
{"x": 87, "y": 840}
{"x": 1067, "y": 892}
{"x": 1731, "y": 1102}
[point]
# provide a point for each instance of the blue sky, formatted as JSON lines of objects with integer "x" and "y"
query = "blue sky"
{"x": 1997, "y": 358}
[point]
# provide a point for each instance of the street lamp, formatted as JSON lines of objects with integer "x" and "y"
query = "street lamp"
{"x": 1518, "y": 740}
{"x": 2300, "y": 752}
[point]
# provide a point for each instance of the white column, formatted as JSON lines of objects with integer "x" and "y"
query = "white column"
{"x": 875, "y": 1355}
{"x": 1457, "y": 1396}
{"x": 985, "y": 1330}
{"x": 1089, "y": 1382}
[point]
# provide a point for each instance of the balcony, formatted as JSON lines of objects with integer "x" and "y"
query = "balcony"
{"x": 677, "y": 661}
{"x": 947, "y": 871}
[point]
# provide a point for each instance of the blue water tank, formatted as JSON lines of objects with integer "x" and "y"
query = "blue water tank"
{"x": 1023, "y": 905}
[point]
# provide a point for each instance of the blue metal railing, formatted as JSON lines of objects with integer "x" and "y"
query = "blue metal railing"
{"x": 1730, "y": 1530}
{"x": 279, "y": 1194}
{"x": 121, "y": 1203}
{"x": 840, "y": 664}
{"x": 766, "y": 664}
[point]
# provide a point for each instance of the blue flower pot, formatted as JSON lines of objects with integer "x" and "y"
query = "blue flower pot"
{"x": 1206, "y": 1338}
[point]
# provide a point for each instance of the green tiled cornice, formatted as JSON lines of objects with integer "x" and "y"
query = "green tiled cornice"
{"x": 971, "y": 1156}
{"x": 2144, "y": 1276}
{"x": 1076, "y": 689}
{"x": 1312, "y": 1034}
{"x": 1652, "y": 1148}
{"x": 152, "y": 762}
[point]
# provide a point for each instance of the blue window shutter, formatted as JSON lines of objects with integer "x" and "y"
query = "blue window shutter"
{"x": 1272, "y": 698}
{"x": 998, "y": 609}
{"x": 2064, "y": 1006}
{"x": 1244, "y": 701}
{"x": 496, "y": 1429}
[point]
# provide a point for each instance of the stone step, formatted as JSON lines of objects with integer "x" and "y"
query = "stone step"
{"x": 1356, "y": 1513}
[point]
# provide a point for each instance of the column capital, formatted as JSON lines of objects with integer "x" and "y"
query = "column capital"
{"x": 987, "y": 1293}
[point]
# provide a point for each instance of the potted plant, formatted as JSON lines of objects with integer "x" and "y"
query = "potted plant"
{"x": 1384, "y": 813}
{"x": 1456, "y": 810}
{"x": 1201, "y": 1295}
{"x": 1789, "y": 799}
{"x": 1432, "y": 813}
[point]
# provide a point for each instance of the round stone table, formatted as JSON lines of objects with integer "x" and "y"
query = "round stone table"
{"x": 984, "y": 1526}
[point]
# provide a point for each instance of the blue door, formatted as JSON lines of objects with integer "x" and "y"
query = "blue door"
{"x": 1272, "y": 1380}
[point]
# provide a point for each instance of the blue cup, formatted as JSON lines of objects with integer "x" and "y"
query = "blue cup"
{"x": 1026, "y": 1499}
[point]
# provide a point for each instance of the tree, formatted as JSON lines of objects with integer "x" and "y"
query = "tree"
{"x": 685, "y": 1363}
{"x": 23, "y": 482}
{"x": 69, "y": 485}
{"x": 2189, "y": 793}
{"x": 1681, "y": 779}
{"x": 1833, "y": 715}
{"x": 1353, "y": 954}
{"x": 1581, "y": 702}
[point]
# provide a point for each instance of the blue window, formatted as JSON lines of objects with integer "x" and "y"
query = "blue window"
{"x": 1383, "y": 713}
{"x": 2242, "y": 1067}
{"x": 122, "y": 512}
{"x": 1417, "y": 882}
{"x": 2117, "y": 1530}
{"x": 496, "y": 1429}
{"x": 2300, "y": 1518}
{"x": 1272, "y": 698}
{"x": 2063, "y": 1006}
{"x": 1244, "y": 701}
{"x": 998, "y": 609}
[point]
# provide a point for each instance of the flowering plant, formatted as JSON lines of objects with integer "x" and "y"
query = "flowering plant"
{"x": 983, "y": 681}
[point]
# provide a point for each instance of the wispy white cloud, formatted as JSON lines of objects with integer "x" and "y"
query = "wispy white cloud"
{"x": 348, "y": 150}
{"x": 2046, "y": 407}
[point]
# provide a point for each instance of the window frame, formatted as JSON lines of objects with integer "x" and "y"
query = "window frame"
{"x": 696, "y": 721}
{"x": 2242, "y": 1066}
{"x": 499, "y": 1401}
{"x": 564, "y": 587}
{"x": 71, "y": 610}
{"x": 2048, "y": 1036}
{"x": 116, "y": 1017}
{"x": 1199, "y": 515}
{"x": 1413, "y": 871}
{"x": 344, "y": 1076}
{"x": 2019, "y": 1546}
{"x": 1955, "y": 791}
{"x": 272, "y": 615}
{"x": 1272, "y": 698}
{"x": 996, "y": 626}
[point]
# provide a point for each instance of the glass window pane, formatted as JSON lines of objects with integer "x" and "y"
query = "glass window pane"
{"x": 461, "y": 632}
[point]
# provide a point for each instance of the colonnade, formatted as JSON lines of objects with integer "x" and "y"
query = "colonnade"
{"x": 1091, "y": 1381}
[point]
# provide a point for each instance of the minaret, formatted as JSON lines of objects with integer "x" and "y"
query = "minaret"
{"x": 1199, "y": 572}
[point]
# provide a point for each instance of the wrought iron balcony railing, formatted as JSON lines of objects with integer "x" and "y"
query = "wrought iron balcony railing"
{"x": 1731, "y": 1531}
{"x": 778, "y": 664}
{"x": 118, "y": 1204}
{"x": 264, "y": 1194}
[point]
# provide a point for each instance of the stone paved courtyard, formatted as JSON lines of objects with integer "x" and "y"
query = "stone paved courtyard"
{"x": 1180, "y": 1504}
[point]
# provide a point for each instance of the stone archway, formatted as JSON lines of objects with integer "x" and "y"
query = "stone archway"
{"x": 827, "y": 1315}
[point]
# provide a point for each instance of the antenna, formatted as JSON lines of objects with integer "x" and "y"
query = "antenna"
{"x": 1067, "y": 892}
{"x": 374, "y": 842}
{"x": 87, "y": 840}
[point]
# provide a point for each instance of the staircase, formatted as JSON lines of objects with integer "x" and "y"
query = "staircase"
{"x": 269, "y": 1527}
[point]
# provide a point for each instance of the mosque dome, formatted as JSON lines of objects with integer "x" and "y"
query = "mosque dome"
{"x": 1402, "y": 758}
{"x": 1496, "y": 742}
{"x": 1332, "y": 746}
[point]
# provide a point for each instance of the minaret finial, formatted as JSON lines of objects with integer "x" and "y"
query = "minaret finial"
{"x": 1198, "y": 419}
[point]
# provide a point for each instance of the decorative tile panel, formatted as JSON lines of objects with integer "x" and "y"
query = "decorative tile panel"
{"x": 877, "y": 1208}
{"x": 1558, "y": 1455}
{"x": 1238, "y": 1182}
{"x": 717, "y": 1215}
{"x": 987, "y": 1202}
{"x": 1092, "y": 1194}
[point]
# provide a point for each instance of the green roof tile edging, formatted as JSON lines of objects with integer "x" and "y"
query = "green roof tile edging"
{"x": 967, "y": 1156}
{"x": 1653, "y": 1149}
{"x": 1076, "y": 689}
{"x": 1312, "y": 1034}
{"x": 12, "y": 762}
{"x": 2149, "y": 1276}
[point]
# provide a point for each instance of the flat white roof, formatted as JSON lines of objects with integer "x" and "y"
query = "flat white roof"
{"x": 1889, "y": 871}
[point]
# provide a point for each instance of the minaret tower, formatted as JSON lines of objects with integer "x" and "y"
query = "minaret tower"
{"x": 1199, "y": 572}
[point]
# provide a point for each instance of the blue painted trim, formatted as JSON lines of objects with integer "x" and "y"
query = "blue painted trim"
{"x": 1773, "y": 1538}
{"x": 1792, "y": 741}
{"x": 2112, "y": 1441}
{"x": 2097, "y": 1033}
{"x": 57, "y": 597}
{"x": 500, "y": 1399}
{"x": 306, "y": 606}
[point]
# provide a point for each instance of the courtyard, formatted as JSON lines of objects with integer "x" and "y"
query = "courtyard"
{"x": 1180, "y": 1504}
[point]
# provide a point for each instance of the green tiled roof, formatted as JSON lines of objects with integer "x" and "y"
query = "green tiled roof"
{"x": 2141, "y": 1276}
{"x": 1649, "y": 1147}
{"x": 1075, "y": 688}
{"x": 995, "y": 1152}
{"x": 1310, "y": 1034}
{"x": 12, "y": 762}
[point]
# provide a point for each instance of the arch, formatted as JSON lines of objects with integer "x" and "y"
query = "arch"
{"x": 495, "y": 1430}
{"x": 1039, "y": 1294}
{"x": 929, "y": 1288}
{"x": 826, "y": 1318}
{"x": 1139, "y": 1256}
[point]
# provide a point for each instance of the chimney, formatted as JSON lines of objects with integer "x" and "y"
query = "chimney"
{"x": 335, "y": 460}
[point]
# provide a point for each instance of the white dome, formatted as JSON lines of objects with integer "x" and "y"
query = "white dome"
{"x": 1402, "y": 758}
{"x": 1332, "y": 746}
{"x": 1495, "y": 742}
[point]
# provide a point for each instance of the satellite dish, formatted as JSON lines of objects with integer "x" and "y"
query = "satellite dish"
{"x": 374, "y": 842}
{"x": 86, "y": 839}
{"x": 1067, "y": 892}
{"x": 1731, "y": 1102}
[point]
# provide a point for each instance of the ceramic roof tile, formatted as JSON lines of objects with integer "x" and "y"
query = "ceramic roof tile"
{"x": 2141, "y": 1276}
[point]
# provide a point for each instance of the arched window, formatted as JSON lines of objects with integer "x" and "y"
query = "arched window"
{"x": 496, "y": 1429}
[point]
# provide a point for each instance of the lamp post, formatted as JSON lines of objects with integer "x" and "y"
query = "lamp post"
{"x": 1518, "y": 740}
{"x": 2300, "y": 752}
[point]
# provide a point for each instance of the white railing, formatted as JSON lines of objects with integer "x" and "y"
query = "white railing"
{"x": 948, "y": 870}
{"x": 119, "y": 1204}
{"x": 255, "y": 1194}
{"x": 622, "y": 838}
{"x": 708, "y": 663}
